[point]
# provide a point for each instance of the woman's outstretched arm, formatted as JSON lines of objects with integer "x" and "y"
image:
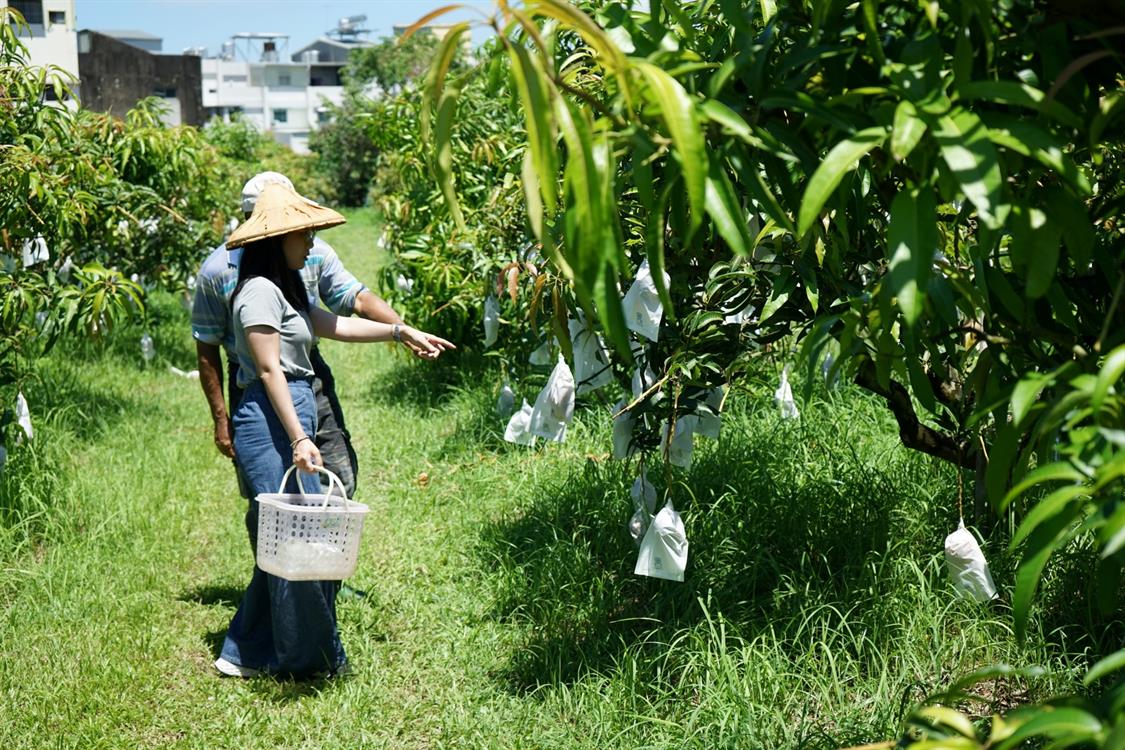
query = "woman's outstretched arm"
{"x": 329, "y": 326}
{"x": 265, "y": 349}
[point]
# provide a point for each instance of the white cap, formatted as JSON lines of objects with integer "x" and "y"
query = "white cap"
{"x": 253, "y": 188}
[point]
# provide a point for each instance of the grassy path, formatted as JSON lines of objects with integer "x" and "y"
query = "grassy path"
{"x": 501, "y": 609}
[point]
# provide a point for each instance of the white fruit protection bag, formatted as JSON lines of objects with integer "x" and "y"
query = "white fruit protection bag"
{"x": 554, "y": 406}
{"x": 541, "y": 357}
{"x": 519, "y": 427}
{"x": 784, "y": 397}
{"x": 664, "y": 549}
{"x": 35, "y": 251}
{"x": 643, "y": 311}
{"x": 148, "y": 349}
{"x": 968, "y": 570}
{"x": 491, "y": 321}
{"x": 23, "y": 418}
{"x": 710, "y": 424}
{"x": 591, "y": 358}
{"x": 623, "y": 431}
{"x": 506, "y": 401}
{"x": 643, "y": 495}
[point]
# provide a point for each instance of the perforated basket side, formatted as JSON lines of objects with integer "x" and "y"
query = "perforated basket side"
{"x": 298, "y": 539}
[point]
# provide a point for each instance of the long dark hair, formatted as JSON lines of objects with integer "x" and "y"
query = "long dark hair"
{"x": 266, "y": 258}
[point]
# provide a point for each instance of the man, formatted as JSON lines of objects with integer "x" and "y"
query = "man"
{"x": 326, "y": 280}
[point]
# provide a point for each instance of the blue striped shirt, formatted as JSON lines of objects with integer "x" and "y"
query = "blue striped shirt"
{"x": 324, "y": 275}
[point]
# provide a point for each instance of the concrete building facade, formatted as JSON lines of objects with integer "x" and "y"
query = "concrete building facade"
{"x": 287, "y": 95}
{"x": 116, "y": 75}
{"x": 53, "y": 35}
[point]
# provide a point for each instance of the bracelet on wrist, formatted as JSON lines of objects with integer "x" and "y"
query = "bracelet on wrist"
{"x": 293, "y": 445}
{"x": 396, "y": 332}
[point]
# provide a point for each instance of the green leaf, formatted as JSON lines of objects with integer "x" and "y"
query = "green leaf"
{"x": 443, "y": 161}
{"x": 1047, "y": 508}
{"x": 769, "y": 9}
{"x": 908, "y": 130}
{"x": 912, "y": 239}
{"x": 1047, "y": 537}
{"x": 677, "y": 109}
{"x": 1059, "y": 471}
{"x": 532, "y": 195}
{"x": 778, "y": 297}
{"x": 1108, "y": 376}
{"x": 1077, "y": 226}
{"x": 1034, "y": 142}
{"x": 535, "y": 100}
{"x": 435, "y": 82}
{"x": 655, "y": 244}
{"x": 1026, "y": 393}
{"x": 607, "y": 296}
{"x": 1110, "y": 664}
{"x": 1019, "y": 95}
{"x": 971, "y": 157}
{"x": 843, "y": 158}
{"x": 1004, "y": 448}
{"x": 941, "y": 717}
{"x": 1074, "y": 724}
{"x": 608, "y": 53}
{"x": 725, "y": 210}
{"x": 730, "y": 121}
{"x": 869, "y": 14}
{"x": 1035, "y": 249}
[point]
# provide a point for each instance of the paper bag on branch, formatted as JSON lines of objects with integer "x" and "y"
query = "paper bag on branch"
{"x": 518, "y": 430}
{"x": 967, "y": 567}
{"x": 643, "y": 311}
{"x": 664, "y": 549}
{"x": 555, "y": 404}
{"x": 491, "y": 321}
{"x": 784, "y": 397}
{"x": 591, "y": 358}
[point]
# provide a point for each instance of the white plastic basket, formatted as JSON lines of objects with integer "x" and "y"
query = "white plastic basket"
{"x": 309, "y": 537}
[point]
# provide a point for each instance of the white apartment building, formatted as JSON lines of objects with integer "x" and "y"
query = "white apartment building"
{"x": 54, "y": 34}
{"x": 286, "y": 95}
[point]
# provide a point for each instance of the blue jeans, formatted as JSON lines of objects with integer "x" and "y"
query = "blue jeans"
{"x": 282, "y": 627}
{"x": 332, "y": 436}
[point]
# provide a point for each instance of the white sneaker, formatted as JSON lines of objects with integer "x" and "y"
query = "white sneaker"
{"x": 230, "y": 669}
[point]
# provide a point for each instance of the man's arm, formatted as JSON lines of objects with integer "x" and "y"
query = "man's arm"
{"x": 210, "y": 366}
{"x": 338, "y": 289}
{"x": 371, "y": 306}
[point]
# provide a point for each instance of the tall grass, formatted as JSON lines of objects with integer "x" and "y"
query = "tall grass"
{"x": 501, "y": 610}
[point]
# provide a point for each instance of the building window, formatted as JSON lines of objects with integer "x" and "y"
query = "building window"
{"x": 284, "y": 79}
{"x": 281, "y": 115}
{"x": 167, "y": 92}
{"x": 31, "y": 10}
{"x": 57, "y": 17}
{"x": 323, "y": 116}
{"x": 234, "y": 79}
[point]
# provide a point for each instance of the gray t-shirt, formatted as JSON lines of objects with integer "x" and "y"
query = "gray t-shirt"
{"x": 261, "y": 303}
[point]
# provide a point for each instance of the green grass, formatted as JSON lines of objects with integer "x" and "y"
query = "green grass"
{"x": 502, "y": 610}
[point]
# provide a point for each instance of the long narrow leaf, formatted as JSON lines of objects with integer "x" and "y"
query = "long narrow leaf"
{"x": 536, "y": 100}
{"x": 912, "y": 239}
{"x": 725, "y": 210}
{"x": 677, "y": 109}
{"x": 843, "y": 158}
{"x": 971, "y": 157}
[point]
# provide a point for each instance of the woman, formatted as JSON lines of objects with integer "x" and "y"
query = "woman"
{"x": 283, "y": 627}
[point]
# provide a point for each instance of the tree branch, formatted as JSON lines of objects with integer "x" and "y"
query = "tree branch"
{"x": 911, "y": 431}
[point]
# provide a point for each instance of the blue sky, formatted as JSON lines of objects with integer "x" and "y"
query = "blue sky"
{"x": 208, "y": 23}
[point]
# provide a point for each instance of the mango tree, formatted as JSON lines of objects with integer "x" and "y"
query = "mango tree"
{"x": 931, "y": 191}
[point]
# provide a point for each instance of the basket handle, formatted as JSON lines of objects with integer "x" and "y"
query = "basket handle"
{"x": 331, "y": 478}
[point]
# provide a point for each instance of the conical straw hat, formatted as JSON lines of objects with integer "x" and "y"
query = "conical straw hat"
{"x": 279, "y": 211}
